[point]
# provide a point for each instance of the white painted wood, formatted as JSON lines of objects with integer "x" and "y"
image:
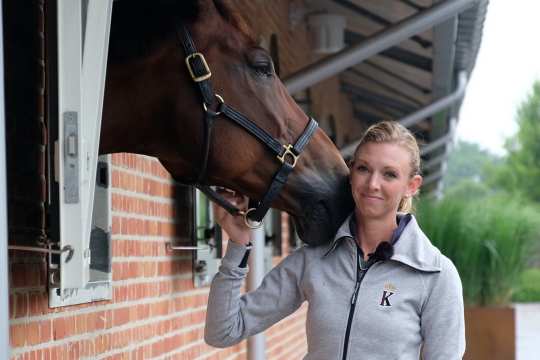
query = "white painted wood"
{"x": 69, "y": 100}
{"x": 527, "y": 331}
{"x": 81, "y": 82}
{"x": 4, "y": 279}
{"x": 94, "y": 66}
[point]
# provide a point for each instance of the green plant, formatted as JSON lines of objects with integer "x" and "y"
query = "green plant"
{"x": 529, "y": 286}
{"x": 488, "y": 239}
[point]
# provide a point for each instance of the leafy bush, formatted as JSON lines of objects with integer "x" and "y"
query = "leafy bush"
{"x": 488, "y": 239}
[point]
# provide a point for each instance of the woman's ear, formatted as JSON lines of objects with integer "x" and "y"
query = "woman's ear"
{"x": 414, "y": 184}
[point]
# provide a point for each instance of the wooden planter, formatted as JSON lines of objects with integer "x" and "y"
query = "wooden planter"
{"x": 490, "y": 333}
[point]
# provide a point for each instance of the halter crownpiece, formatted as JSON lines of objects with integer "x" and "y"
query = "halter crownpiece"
{"x": 287, "y": 155}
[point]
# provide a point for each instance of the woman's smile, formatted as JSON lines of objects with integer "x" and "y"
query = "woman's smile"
{"x": 372, "y": 197}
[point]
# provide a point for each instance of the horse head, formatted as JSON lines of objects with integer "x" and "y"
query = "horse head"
{"x": 150, "y": 91}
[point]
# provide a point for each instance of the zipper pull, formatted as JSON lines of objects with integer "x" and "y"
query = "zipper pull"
{"x": 355, "y": 293}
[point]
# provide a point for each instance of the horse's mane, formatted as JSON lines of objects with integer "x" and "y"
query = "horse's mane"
{"x": 139, "y": 26}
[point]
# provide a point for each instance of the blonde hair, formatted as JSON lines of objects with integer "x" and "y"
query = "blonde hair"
{"x": 395, "y": 133}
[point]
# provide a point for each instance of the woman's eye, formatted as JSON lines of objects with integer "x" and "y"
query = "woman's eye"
{"x": 362, "y": 168}
{"x": 390, "y": 174}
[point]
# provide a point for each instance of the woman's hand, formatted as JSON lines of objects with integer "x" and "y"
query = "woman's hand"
{"x": 234, "y": 226}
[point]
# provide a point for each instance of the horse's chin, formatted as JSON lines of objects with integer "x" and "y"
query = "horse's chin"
{"x": 318, "y": 228}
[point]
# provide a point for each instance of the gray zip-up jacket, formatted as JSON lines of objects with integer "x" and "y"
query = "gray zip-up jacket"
{"x": 411, "y": 301}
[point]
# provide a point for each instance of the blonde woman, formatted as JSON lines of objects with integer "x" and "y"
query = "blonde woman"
{"x": 378, "y": 290}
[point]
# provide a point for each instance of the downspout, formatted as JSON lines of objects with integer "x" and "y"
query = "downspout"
{"x": 425, "y": 112}
{"x": 257, "y": 343}
{"x": 397, "y": 33}
{"x": 4, "y": 283}
{"x": 444, "y": 140}
{"x": 432, "y": 163}
{"x": 439, "y": 104}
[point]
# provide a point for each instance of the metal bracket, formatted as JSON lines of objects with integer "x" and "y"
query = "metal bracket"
{"x": 171, "y": 247}
{"x": 66, "y": 248}
{"x": 71, "y": 157}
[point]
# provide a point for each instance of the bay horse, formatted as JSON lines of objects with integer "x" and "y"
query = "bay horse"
{"x": 153, "y": 107}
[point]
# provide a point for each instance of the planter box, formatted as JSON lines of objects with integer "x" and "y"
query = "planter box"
{"x": 505, "y": 333}
{"x": 490, "y": 333}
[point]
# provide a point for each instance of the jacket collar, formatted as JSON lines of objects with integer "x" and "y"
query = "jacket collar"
{"x": 413, "y": 248}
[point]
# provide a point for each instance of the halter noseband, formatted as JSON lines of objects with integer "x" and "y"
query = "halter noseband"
{"x": 286, "y": 154}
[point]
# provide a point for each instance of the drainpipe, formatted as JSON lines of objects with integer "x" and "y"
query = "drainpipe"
{"x": 439, "y": 104}
{"x": 4, "y": 283}
{"x": 433, "y": 177}
{"x": 431, "y": 163}
{"x": 444, "y": 140}
{"x": 395, "y": 34}
{"x": 257, "y": 343}
{"x": 425, "y": 112}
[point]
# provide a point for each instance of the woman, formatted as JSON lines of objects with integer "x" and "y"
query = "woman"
{"x": 379, "y": 290}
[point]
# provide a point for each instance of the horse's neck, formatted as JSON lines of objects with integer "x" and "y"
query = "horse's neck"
{"x": 150, "y": 125}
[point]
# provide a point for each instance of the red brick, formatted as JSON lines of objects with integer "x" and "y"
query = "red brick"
{"x": 121, "y": 316}
{"x": 74, "y": 350}
{"x": 59, "y": 328}
{"x": 38, "y": 303}
{"x": 32, "y": 333}
{"x": 21, "y": 305}
{"x": 45, "y": 331}
{"x": 17, "y": 334}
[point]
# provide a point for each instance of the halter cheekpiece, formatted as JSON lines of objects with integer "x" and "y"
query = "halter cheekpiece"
{"x": 287, "y": 155}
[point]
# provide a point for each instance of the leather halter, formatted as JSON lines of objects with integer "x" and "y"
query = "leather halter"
{"x": 286, "y": 154}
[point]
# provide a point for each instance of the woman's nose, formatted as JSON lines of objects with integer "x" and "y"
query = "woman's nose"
{"x": 373, "y": 182}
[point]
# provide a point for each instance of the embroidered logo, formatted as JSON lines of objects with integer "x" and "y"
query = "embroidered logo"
{"x": 389, "y": 290}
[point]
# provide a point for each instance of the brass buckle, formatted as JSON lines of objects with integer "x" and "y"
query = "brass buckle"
{"x": 288, "y": 151}
{"x": 202, "y": 77}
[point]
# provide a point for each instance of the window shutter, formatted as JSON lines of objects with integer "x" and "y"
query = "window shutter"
{"x": 83, "y": 35}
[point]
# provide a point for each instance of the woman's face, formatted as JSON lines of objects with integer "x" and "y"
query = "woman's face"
{"x": 381, "y": 177}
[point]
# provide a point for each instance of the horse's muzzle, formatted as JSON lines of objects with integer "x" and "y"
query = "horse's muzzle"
{"x": 319, "y": 224}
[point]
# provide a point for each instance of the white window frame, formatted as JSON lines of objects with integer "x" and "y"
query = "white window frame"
{"x": 207, "y": 259}
{"x": 81, "y": 84}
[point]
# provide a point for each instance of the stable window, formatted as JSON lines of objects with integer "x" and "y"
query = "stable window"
{"x": 208, "y": 240}
{"x": 272, "y": 236}
{"x": 77, "y": 38}
{"x": 197, "y": 233}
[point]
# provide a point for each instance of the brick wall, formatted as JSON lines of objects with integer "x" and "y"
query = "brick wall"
{"x": 156, "y": 312}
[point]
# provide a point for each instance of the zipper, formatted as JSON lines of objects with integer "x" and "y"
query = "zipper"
{"x": 359, "y": 276}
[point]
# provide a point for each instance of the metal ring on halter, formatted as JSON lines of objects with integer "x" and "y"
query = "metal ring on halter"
{"x": 250, "y": 223}
{"x": 214, "y": 113}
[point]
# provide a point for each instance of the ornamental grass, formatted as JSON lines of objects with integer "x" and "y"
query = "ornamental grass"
{"x": 490, "y": 240}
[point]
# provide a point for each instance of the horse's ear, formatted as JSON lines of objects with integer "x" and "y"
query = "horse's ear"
{"x": 206, "y": 8}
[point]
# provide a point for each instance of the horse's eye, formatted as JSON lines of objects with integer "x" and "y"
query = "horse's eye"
{"x": 261, "y": 62}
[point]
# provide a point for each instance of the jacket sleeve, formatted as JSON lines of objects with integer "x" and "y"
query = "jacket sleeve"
{"x": 232, "y": 317}
{"x": 442, "y": 318}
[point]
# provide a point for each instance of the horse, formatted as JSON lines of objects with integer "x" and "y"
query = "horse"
{"x": 153, "y": 107}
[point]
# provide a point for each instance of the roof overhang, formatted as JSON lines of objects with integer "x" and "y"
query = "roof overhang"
{"x": 430, "y": 98}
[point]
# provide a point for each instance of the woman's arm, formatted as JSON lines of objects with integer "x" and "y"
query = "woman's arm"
{"x": 231, "y": 317}
{"x": 442, "y": 318}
